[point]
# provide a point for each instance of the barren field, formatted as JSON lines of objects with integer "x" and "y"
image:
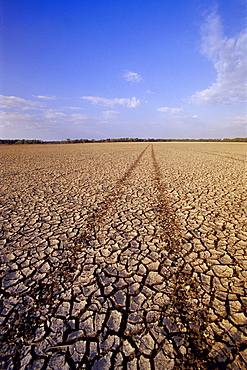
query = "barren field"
{"x": 124, "y": 256}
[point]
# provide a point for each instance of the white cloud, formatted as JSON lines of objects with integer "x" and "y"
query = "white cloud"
{"x": 109, "y": 114}
{"x": 73, "y": 108}
{"x": 41, "y": 118}
{"x": 150, "y": 92}
{"x": 239, "y": 120}
{"x": 19, "y": 103}
{"x": 17, "y": 119}
{"x": 132, "y": 76}
{"x": 229, "y": 57}
{"x": 236, "y": 126}
{"x": 170, "y": 110}
{"x": 79, "y": 118}
{"x": 45, "y": 97}
{"x": 53, "y": 114}
{"x": 130, "y": 103}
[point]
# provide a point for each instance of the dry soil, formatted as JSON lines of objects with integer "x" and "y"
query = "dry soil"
{"x": 123, "y": 256}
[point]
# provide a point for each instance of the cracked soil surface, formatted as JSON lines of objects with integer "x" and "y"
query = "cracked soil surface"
{"x": 123, "y": 256}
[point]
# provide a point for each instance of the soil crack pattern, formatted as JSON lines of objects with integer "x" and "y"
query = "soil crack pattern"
{"x": 185, "y": 320}
{"x": 100, "y": 211}
{"x": 119, "y": 280}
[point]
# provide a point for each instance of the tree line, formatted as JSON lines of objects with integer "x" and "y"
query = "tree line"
{"x": 111, "y": 140}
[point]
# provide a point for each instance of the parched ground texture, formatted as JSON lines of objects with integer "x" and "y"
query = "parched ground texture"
{"x": 124, "y": 256}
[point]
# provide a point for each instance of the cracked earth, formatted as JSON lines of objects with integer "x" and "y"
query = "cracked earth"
{"x": 123, "y": 256}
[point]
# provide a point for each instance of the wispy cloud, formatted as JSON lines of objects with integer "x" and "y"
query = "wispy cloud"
{"x": 170, "y": 110}
{"x": 13, "y": 114}
{"x": 48, "y": 117}
{"x": 17, "y": 119}
{"x": 53, "y": 114}
{"x": 132, "y": 76}
{"x": 56, "y": 116}
{"x": 81, "y": 118}
{"x": 18, "y": 103}
{"x": 150, "y": 92}
{"x": 229, "y": 57}
{"x": 73, "y": 108}
{"x": 130, "y": 103}
{"x": 236, "y": 126}
{"x": 239, "y": 120}
{"x": 45, "y": 97}
{"x": 109, "y": 114}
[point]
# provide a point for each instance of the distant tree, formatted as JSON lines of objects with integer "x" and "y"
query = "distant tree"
{"x": 20, "y": 141}
{"x": 112, "y": 140}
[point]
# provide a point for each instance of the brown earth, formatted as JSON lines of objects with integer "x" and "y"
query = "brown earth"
{"x": 124, "y": 256}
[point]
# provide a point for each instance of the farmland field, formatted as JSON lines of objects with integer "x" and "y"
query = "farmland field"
{"x": 124, "y": 256}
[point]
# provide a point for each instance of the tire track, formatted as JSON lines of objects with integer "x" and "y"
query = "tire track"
{"x": 98, "y": 212}
{"x": 225, "y": 156}
{"x": 24, "y": 320}
{"x": 195, "y": 333}
{"x": 166, "y": 216}
{"x": 125, "y": 300}
{"x": 193, "y": 319}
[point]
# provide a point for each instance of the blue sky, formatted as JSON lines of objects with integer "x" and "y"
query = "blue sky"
{"x": 120, "y": 68}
